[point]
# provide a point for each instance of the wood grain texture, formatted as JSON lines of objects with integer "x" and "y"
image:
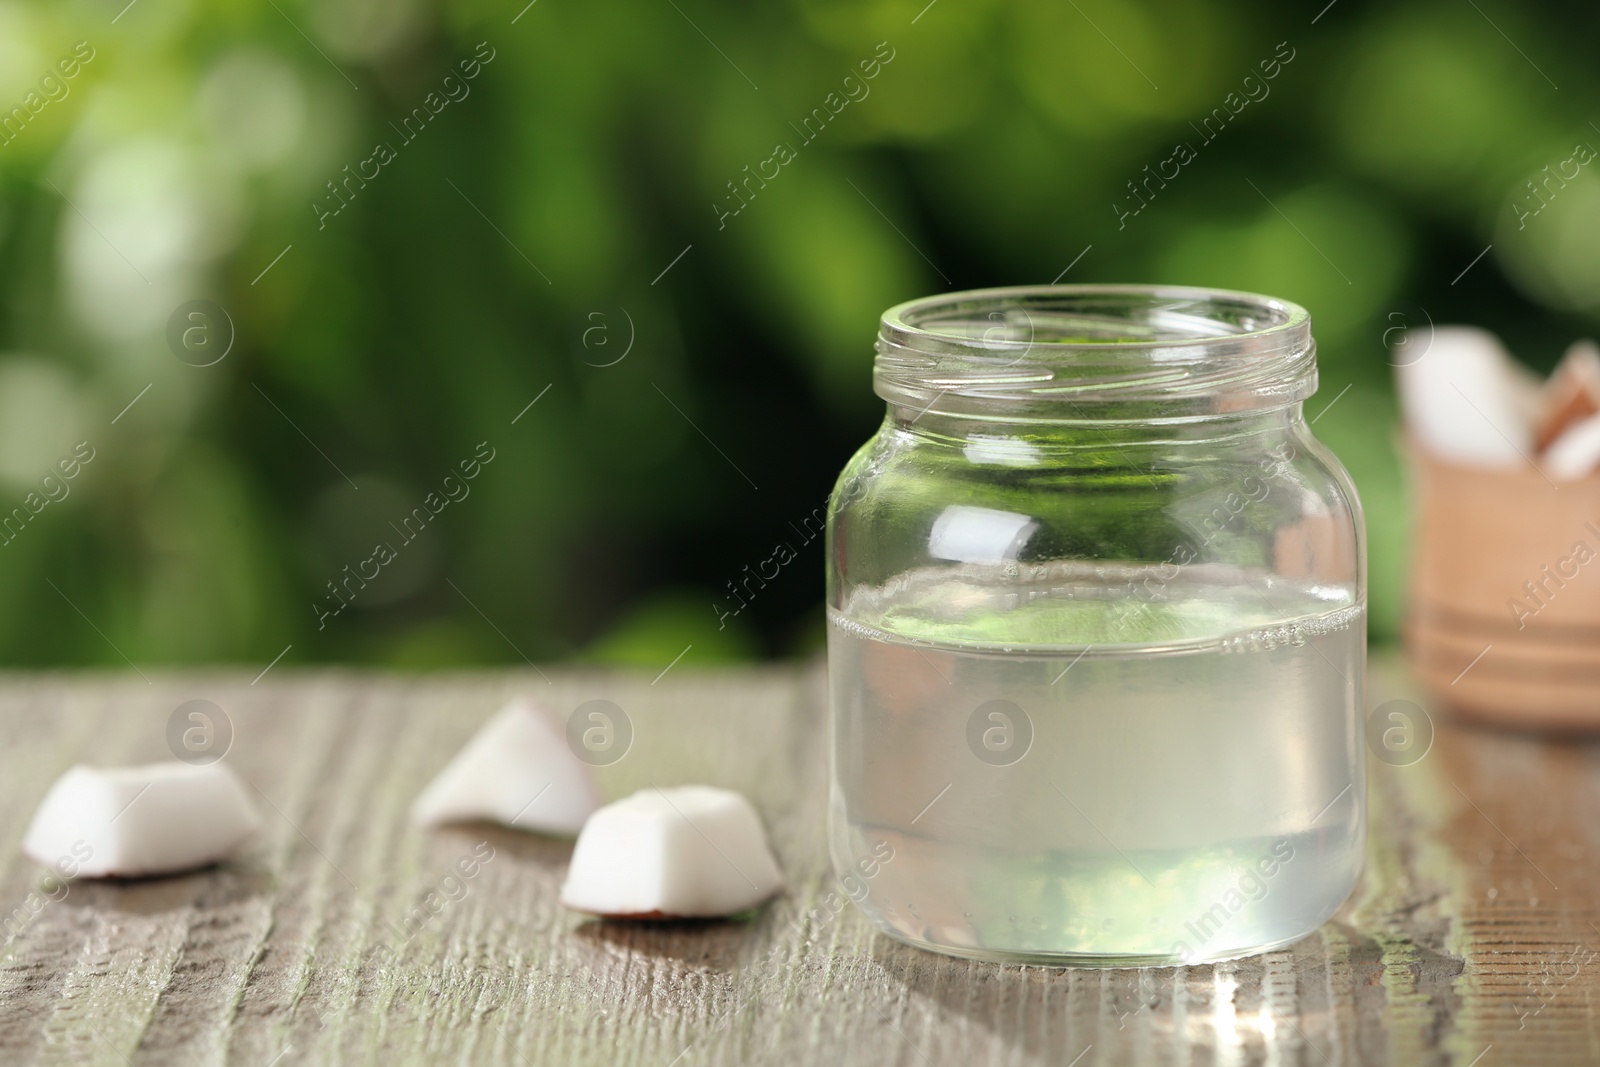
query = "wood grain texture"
{"x": 344, "y": 935}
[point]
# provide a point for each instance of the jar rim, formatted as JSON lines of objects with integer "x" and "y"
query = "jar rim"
{"x": 1153, "y": 352}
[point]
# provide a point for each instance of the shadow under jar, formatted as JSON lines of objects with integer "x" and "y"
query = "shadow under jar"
{"x": 1096, "y": 632}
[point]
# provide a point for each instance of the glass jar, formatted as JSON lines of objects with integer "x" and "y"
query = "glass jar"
{"x": 1096, "y": 632}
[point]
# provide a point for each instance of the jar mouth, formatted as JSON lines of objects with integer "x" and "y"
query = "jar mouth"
{"x": 1066, "y": 353}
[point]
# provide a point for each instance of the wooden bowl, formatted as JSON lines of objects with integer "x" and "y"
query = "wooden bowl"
{"x": 1503, "y": 621}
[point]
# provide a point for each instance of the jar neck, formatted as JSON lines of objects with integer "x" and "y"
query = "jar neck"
{"x": 1019, "y": 439}
{"x": 1095, "y": 354}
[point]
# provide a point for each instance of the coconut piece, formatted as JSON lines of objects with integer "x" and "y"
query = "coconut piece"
{"x": 690, "y": 851}
{"x": 1461, "y": 400}
{"x": 1576, "y": 453}
{"x": 1570, "y": 396}
{"x": 134, "y": 821}
{"x": 517, "y": 770}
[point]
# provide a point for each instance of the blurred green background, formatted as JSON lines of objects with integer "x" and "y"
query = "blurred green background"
{"x": 553, "y": 229}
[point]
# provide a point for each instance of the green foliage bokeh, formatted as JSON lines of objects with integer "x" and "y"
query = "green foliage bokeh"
{"x": 560, "y": 231}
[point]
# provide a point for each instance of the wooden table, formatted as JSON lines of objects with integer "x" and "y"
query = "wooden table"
{"x": 341, "y": 936}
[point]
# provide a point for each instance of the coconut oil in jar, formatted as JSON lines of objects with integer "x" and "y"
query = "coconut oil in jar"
{"x": 1096, "y": 676}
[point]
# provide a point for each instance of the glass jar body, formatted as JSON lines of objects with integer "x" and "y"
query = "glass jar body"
{"x": 1096, "y": 689}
